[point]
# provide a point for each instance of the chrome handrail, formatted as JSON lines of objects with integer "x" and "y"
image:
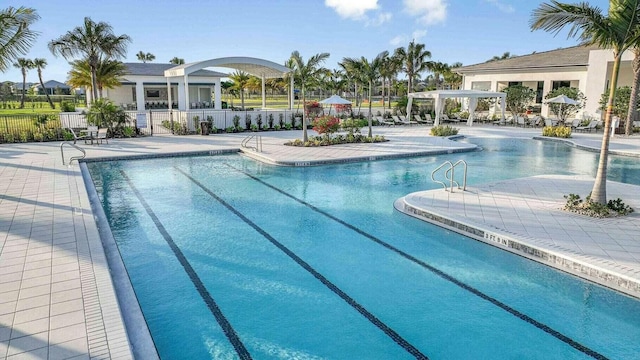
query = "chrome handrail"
{"x": 449, "y": 175}
{"x": 77, "y": 158}
{"x": 258, "y": 146}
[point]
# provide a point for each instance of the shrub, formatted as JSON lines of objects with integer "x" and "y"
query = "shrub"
{"x": 557, "y": 131}
{"x": 443, "y": 130}
{"x": 128, "y": 131}
{"x": 66, "y": 106}
{"x": 612, "y": 208}
{"x": 276, "y": 127}
{"x": 236, "y": 121}
{"x": 326, "y": 125}
{"x": 230, "y": 129}
{"x": 254, "y": 127}
{"x": 281, "y": 119}
{"x": 287, "y": 126}
{"x": 339, "y": 139}
{"x": 247, "y": 122}
{"x": 270, "y": 121}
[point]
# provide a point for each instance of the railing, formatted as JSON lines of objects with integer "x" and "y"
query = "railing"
{"x": 257, "y": 148}
{"x": 77, "y": 158}
{"x": 449, "y": 175}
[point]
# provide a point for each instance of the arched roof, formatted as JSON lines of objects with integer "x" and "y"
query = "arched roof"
{"x": 253, "y": 66}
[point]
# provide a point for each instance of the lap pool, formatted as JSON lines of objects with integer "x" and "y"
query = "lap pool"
{"x": 230, "y": 258}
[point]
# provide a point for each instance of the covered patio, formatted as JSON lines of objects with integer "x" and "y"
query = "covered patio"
{"x": 439, "y": 97}
{"x": 264, "y": 69}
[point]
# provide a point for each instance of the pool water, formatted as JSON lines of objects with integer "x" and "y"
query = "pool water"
{"x": 231, "y": 258}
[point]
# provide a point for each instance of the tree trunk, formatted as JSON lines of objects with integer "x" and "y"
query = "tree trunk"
{"x": 599, "y": 191}
{"x": 633, "y": 101}
{"x": 370, "y": 86}
{"x": 45, "y": 90}
{"x": 94, "y": 83}
{"x": 24, "y": 88}
{"x": 305, "y": 138}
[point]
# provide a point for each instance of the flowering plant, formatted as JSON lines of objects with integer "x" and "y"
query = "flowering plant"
{"x": 312, "y": 108}
{"x": 326, "y": 125}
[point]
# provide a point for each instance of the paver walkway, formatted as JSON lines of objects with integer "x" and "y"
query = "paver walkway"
{"x": 57, "y": 300}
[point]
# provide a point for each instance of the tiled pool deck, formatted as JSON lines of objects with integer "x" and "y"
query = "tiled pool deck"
{"x": 57, "y": 299}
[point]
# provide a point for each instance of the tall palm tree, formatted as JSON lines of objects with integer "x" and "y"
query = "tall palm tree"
{"x": 24, "y": 65}
{"x": 109, "y": 74}
{"x": 451, "y": 77}
{"x": 307, "y": 74}
{"x": 438, "y": 68}
{"x": 370, "y": 72}
{"x": 241, "y": 81}
{"x": 617, "y": 31}
{"x": 40, "y": 64}
{"x": 16, "y": 37}
{"x": 92, "y": 41}
{"x": 144, "y": 57}
{"x": 414, "y": 61}
{"x": 176, "y": 60}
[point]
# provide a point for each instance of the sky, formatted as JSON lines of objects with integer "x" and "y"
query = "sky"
{"x": 466, "y": 31}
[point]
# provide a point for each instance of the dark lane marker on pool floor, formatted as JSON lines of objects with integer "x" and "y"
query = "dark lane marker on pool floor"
{"x": 573, "y": 343}
{"x": 195, "y": 279}
{"x": 369, "y": 316}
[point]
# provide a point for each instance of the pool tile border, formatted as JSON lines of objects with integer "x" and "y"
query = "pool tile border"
{"x": 586, "y": 148}
{"x": 520, "y": 247}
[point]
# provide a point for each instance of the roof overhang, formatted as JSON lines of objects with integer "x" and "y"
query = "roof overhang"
{"x": 437, "y": 94}
{"x": 254, "y": 66}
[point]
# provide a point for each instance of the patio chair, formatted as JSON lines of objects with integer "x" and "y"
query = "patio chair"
{"x": 427, "y": 121}
{"x": 384, "y": 121}
{"x": 92, "y": 133}
{"x": 520, "y": 121}
{"x": 535, "y": 121}
{"x": 575, "y": 123}
{"x": 101, "y": 136}
{"x": 592, "y": 126}
{"x": 445, "y": 117}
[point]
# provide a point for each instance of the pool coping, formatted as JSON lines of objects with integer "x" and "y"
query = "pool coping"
{"x": 518, "y": 245}
{"x": 585, "y": 147}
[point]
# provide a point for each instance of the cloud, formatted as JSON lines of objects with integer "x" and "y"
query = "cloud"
{"x": 380, "y": 19}
{"x": 398, "y": 40}
{"x": 428, "y": 12}
{"x": 418, "y": 34}
{"x": 353, "y": 9}
{"x": 505, "y": 8}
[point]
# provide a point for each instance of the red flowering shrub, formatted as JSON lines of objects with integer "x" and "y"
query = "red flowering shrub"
{"x": 326, "y": 125}
{"x": 312, "y": 108}
{"x": 343, "y": 108}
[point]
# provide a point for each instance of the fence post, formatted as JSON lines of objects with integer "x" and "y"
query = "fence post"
{"x": 151, "y": 121}
{"x": 171, "y": 120}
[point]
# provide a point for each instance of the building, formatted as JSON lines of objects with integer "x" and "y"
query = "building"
{"x": 52, "y": 87}
{"x": 587, "y": 68}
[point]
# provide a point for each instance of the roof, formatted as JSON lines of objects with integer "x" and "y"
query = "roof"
{"x": 253, "y": 66}
{"x": 559, "y": 58}
{"x": 52, "y": 84}
{"x": 435, "y": 94}
{"x": 158, "y": 69}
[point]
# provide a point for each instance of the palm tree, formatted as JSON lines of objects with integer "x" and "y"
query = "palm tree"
{"x": 369, "y": 72}
{"x": 307, "y": 74}
{"x": 438, "y": 68}
{"x": 15, "y": 35}
{"x": 414, "y": 61}
{"x": 144, "y": 57}
{"x": 24, "y": 65}
{"x": 633, "y": 99}
{"x": 617, "y": 31}
{"x": 452, "y": 78}
{"x": 176, "y": 60}
{"x": 40, "y": 64}
{"x": 93, "y": 41}
{"x": 240, "y": 82}
{"x": 504, "y": 56}
{"x": 109, "y": 74}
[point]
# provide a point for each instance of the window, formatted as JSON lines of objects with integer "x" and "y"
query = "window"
{"x": 539, "y": 92}
{"x": 555, "y": 85}
{"x": 514, "y": 83}
{"x": 153, "y": 93}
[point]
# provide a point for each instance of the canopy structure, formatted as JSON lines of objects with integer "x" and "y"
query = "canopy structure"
{"x": 440, "y": 95}
{"x": 264, "y": 69}
{"x": 334, "y": 100}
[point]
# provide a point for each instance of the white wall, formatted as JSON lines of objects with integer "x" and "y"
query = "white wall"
{"x": 599, "y": 75}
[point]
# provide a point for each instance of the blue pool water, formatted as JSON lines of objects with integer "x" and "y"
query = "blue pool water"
{"x": 231, "y": 258}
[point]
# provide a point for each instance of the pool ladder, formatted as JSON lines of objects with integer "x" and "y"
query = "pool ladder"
{"x": 258, "y": 139}
{"x": 449, "y": 174}
{"x": 77, "y": 158}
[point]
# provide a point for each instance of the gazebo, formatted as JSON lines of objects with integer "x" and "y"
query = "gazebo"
{"x": 440, "y": 95}
{"x": 264, "y": 69}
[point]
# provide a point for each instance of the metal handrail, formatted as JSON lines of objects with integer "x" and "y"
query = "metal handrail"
{"x": 77, "y": 158}
{"x": 258, "y": 146}
{"x": 449, "y": 175}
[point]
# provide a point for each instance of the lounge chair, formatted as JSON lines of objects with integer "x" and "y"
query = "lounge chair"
{"x": 405, "y": 121}
{"x": 592, "y": 126}
{"x": 427, "y": 121}
{"x": 520, "y": 121}
{"x": 91, "y": 133}
{"x": 535, "y": 121}
{"x": 575, "y": 123}
{"x": 101, "y": 136}
{"x": 384, "y": 121}
{"x": 397, "y": 120}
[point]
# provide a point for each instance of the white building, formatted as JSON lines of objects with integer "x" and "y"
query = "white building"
{"x": 587, "y": 68}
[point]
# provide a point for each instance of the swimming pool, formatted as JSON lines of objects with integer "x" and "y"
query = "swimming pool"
{"x": 231, "y": 258}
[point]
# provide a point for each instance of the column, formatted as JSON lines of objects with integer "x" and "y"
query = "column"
{"x": 186, "y": 92}
{"x": 140, "y": 96}
{"x": 169, "y": 99}
{"x": 217, "y": 94}
{"x": 181, "y": 98}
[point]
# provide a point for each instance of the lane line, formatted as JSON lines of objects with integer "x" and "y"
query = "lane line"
{"x": 397, "y": 338}
{"x": 558, "y": 335}
{"x": 228, "y": 330}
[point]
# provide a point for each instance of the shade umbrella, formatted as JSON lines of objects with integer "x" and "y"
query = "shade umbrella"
{"x": 562, "y": 100}
{"x": 334, "y": 100}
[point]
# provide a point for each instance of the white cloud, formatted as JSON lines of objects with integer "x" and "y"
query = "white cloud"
{"x": 382, "y": 18}
{"x": 352, "y": 9}
{"x": 398, "y": 40}
{"x": 418, "y": 34}
{"x": 505, "y": 8}
{"x": 428, "y": 12}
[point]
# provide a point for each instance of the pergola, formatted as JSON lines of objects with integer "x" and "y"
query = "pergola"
{"x": 264, "y": 69}
{"x": 440, "y": 95}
